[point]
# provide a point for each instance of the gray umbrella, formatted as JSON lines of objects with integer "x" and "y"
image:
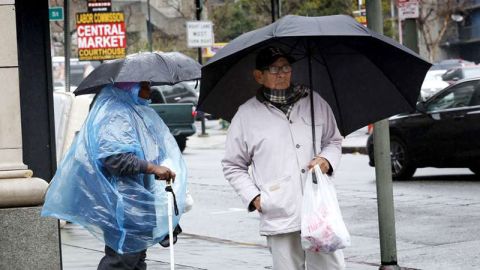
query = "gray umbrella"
{"x": 154, "y": 67}
{"x": 364, "y": 76}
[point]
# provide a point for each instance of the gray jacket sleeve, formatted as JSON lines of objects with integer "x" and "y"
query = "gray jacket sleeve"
{"x": 125, "y": 164}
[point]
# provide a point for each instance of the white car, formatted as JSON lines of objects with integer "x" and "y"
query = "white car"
{"x": 432, "y": 83}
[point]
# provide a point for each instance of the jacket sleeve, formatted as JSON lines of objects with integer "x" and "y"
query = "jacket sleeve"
{"x": 331, "y": 138}
{"x": 236, "y": 162}
{"x": 124, "y": 164}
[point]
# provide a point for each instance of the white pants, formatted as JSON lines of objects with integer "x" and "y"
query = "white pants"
{"x": 287, "y": 254}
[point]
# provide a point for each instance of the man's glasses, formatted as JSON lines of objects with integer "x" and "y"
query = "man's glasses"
{"x": 276, "y": 70}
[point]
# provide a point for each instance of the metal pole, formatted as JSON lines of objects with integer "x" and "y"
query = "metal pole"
{"x": 400, "y": 30}
{"x": 149, "y": 27}
{"x": 66, "y": 34}
{"x": 411, "y": 36}
{"x": 275, "y": 10}
{"x": 399, "y": 20}
{"x": 279, "y": 8}
{"x": 200, "y": 60}
{"x": 386, "y": 216}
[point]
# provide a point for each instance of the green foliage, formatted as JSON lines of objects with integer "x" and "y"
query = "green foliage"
{"x": 389, "y": 24}
{"x": 231, "y": 20}
{"x": 236, "y": 17}
{"x": 324, "y": 7}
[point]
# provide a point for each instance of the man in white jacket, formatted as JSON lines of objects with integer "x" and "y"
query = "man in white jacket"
{"x": 269, "y": 152}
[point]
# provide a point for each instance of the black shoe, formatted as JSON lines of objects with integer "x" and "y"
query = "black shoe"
{"x": 166, "y": 241}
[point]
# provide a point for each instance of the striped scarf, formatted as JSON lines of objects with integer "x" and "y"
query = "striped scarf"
{"x": 283, "y": 99}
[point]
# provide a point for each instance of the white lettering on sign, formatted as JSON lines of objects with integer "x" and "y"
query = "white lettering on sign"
{"x": 100, "y": 30}
{"x": 92, "y": 36}
{"x": 101, "y": 42}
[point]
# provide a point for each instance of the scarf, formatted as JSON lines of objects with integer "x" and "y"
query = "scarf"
{"x": 282, "y": 99}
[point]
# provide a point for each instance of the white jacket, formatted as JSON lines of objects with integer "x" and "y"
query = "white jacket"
{"x": 268, "y": 154}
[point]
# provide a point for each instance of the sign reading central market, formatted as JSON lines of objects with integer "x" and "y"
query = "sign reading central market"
{"x": 101, "y": 36}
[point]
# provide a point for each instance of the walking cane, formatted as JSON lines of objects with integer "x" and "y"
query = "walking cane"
{"x": 171, "y": 204}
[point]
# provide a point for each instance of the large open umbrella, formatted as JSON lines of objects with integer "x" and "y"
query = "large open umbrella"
{"x": 364, "y": 76}
{"x": 158, "y": 68}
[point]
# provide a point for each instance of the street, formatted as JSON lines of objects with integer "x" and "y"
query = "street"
{"x": 436, "y": 219}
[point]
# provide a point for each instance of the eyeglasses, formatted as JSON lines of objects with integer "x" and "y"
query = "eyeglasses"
{"x": 276, "y": 70}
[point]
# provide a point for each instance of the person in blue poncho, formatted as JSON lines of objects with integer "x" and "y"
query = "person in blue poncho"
{"x": 106, "y": 182}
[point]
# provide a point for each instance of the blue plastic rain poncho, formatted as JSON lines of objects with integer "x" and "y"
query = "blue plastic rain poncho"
{"x": 129, "y": 213}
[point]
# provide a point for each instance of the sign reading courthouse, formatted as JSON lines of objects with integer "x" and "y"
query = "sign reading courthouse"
{"x": 101, "y": 36}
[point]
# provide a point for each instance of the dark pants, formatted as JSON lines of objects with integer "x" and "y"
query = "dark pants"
{"x": 129, "y": 261}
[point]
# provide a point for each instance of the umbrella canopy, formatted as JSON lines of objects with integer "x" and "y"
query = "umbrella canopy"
{"x": 154, "y": 67}
{"x": 364, "y": 76}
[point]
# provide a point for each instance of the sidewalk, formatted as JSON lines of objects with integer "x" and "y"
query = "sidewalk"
{"x": 81, "y": 251}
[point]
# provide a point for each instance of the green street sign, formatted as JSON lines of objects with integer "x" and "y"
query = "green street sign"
{"x": 55, "y": 13}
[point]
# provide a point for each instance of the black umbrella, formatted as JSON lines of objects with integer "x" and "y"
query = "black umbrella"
{"x": 364, "y": 76}
{"x": 154, "y": 67}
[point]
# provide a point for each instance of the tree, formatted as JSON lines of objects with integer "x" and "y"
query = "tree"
{"x": 236, "y": 17}
{"x": 230, "y": 21}
{"x": 434, "y": 21}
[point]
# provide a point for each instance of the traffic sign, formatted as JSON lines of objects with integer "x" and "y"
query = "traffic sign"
{"x": 409, "y": 10}
{"x": 55, "y": 13}
{"x": 199, "y": 34}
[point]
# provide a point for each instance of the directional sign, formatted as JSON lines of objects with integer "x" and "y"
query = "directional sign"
{"x": 55, "y": 13}
{"x": 199, "y": 34}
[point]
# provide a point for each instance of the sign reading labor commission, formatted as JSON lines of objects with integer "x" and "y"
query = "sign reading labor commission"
{"x": 101, "y": 36}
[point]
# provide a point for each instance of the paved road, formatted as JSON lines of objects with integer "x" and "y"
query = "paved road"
{"x": 437, "y": 217}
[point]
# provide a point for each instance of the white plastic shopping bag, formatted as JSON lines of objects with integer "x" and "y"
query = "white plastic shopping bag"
{"x": 323, "y": 229}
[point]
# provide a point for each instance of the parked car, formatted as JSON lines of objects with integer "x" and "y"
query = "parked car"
{"x": 451, "y": 64}
{"x": 432, "y": 84}
{"x": 181, "y": 92}
{"x": 443, "y": 132}
{"x": 177, "y": 113}
{"x": 460, "y": 73}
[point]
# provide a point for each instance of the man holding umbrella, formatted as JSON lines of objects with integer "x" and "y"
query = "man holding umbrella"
{"x": 272, "y": 134}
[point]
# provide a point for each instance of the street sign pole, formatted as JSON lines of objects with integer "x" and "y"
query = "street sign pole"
{"x": 383, "y": 171}
{"x": 200, "y": 60}
{"x": 275, "y": 6}
{"x": 411, "y": 37}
